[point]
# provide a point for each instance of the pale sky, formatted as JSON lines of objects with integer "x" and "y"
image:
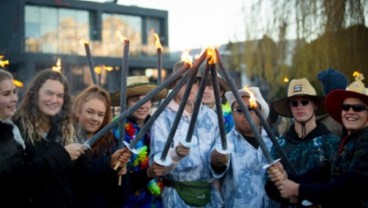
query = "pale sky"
{"x": 199, "y": 23}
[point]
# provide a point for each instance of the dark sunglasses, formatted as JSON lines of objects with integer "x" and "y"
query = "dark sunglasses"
{"x": 239, "y": 110}
{"x": 356, "y": 107}
{"x": 295, "y": 103}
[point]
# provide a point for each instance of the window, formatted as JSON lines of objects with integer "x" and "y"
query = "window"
{"x": 55, "y": 30}
{"x": 129, "y": 26}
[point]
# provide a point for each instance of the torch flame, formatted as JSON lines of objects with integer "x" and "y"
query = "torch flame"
{"x": 98, "y": 69}
{"x": 252, "y": 98}
{"x": 4, "y": 63}
{"x": 157, "y": 40}
{"x": 107, "y": 68}
{"x": 57, "y": 66}
{"x": 186, "y": 57}
{"x": 211, "y": 54}
{"x": 120, "y": 36}
{"x": 18, "y": 83}
{"x": 286, "y": 79}
{"x": 84, "y": 41}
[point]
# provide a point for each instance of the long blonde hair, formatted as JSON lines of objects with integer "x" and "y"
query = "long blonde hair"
{"x": 29, "y": 113}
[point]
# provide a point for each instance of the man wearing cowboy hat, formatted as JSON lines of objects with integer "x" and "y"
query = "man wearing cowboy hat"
{"x": 344, "y": 183}
{"x": 307, "y": 144}
{"x": 244, "y": 181}
{"x": 142, "y": 184}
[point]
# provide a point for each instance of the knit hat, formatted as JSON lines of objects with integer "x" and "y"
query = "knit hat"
{"x": 138, "y": 85}
{"x": 332, "y": 79}
{"x": 265, "y": 110}
{"x": 298, "y": 87}
{"x": 335, "y": 98}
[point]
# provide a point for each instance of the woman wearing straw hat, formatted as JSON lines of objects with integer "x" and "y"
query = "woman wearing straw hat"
{"x": 307, "y": 144}
{"x": 144, "y": 188}
{"x": 344, "y": 183}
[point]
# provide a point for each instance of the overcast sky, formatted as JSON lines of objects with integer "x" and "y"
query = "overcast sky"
{"x": 199, "y": 23}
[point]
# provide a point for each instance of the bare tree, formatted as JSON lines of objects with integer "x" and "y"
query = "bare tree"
{"x": 301, "y": 38}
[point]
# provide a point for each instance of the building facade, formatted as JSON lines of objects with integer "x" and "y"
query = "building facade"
{"x": 35, "y": 34}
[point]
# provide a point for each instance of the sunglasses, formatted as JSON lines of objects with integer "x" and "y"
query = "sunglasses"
{"x": 356, "y": 107}
{"x": 239, "y": 110}
{"x": 295, "y": 103}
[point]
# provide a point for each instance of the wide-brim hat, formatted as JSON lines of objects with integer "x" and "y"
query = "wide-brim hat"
{"x": 335, "y": 98}
{"x": 298, "y": 87}
{"x": 265, "y": 109}
{"x": 138, "y": 85}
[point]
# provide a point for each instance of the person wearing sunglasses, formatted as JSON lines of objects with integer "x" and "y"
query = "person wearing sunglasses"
{"x": 307, "y": 144}
{"x": 338, "y": 185}
{"x": 244, "y": 179}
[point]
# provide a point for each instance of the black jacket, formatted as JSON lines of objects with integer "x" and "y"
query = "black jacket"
{"x": 11, "y": 156}
{"x": 47, "y": 169}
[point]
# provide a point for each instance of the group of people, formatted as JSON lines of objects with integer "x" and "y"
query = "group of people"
{"x": 45, "y": 162}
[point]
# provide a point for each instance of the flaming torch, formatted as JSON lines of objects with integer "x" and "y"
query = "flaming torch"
{"x": 187, "y": 59}
{"x": 57, "y": 66}
{"x": 159, "y": 56}
{"x": 267, "y": 128}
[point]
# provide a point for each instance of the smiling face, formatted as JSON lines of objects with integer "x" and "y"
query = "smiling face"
{"x": 51, "y": 97}
{"x": 8, "y": 99}
{"x": 208, "y": 96}
{"x": 352, "y": 119}
{"x": 142, "y": 112}
{"x": 91, "y": 116}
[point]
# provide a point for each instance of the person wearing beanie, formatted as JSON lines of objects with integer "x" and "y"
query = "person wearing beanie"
{"x": 332, "y": 79}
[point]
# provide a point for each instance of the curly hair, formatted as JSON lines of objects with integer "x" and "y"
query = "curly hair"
{"x": 96, "y": 92}
{"x": 29, "y": 113}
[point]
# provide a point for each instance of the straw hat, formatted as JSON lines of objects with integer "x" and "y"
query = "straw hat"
{"x": 298, "y": 87}
{"x": 265, "y": 110}
{"x": 138, "y": 85}
{"x": 335, "y": 98}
